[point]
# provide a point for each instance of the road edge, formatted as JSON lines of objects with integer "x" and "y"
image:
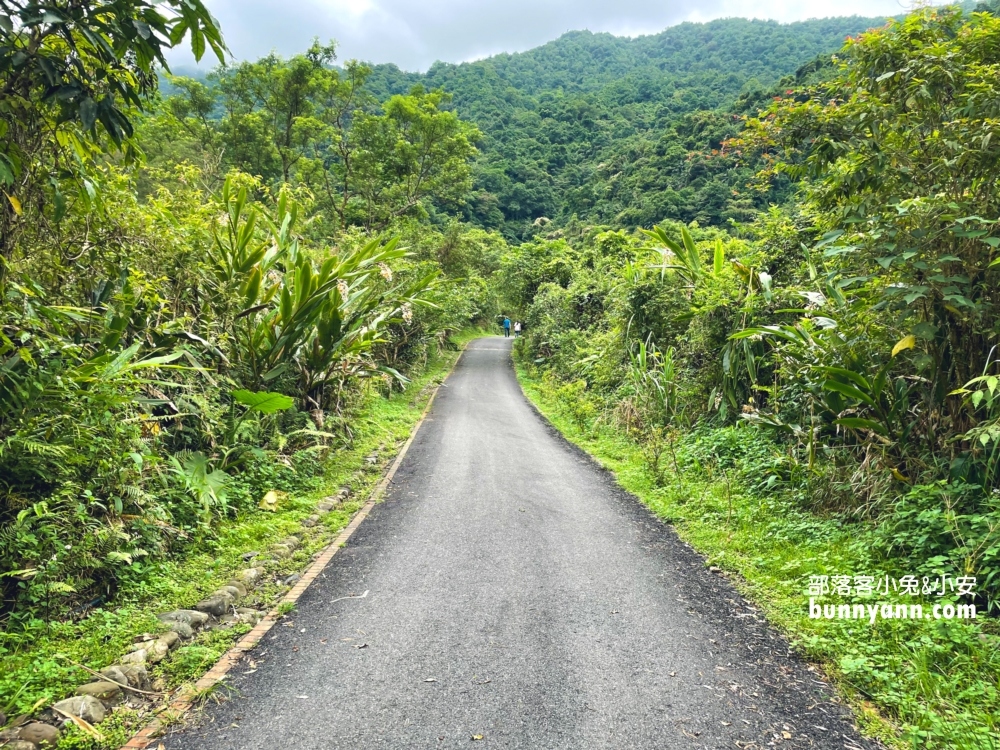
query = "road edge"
{"x": 855, "y": 708}
{"x": 185, "y": 699}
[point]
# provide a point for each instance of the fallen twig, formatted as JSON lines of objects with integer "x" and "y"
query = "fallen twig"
{"x": 352, "y": 596}
{"x": 105, "y": 678}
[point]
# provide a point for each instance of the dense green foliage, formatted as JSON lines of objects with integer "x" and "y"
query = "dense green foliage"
{"x": 181, "y": 333}
{"x": 618, "y": 131}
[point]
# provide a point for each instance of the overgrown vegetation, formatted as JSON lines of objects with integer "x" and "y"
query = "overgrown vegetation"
{"x": 184, "y": 331}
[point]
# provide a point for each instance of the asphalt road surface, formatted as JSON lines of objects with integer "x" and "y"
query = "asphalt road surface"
{"x": 517, "y": 599}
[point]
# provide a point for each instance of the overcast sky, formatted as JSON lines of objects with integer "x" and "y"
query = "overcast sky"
{"x": 415, "y": 33}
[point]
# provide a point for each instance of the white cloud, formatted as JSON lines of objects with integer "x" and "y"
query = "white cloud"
{"x": 415, "y": 34}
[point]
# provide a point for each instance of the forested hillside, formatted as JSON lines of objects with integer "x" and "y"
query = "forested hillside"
{"x": 756, "y": 263}
{"x": 622, "y": 131}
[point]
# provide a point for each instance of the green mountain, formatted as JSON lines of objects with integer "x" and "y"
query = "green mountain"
{"x": 621, "y": 131}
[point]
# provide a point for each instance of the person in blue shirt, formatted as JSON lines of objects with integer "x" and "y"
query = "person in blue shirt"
{"x": 506, "y": 327}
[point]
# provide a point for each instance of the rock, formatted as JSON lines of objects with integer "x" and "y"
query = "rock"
{"x": 292, "y": 542}
{"x": 310, "y": 522}
{"x": 85, "y": 707}
{"x": 325, "y": 506}
{"x": 171, "y": 638}
{"x": 135, "y": 657}
{"x": 3, "y": 718}
{"x": 227, "y": 619}
{"x": 371, "y": 459}
{"x": 188, "y": 616}
{"x": 106, "y": 692}
{"x": 19, "y": 745}
{"x": 281, "y": 551}
{"x": 292, "y": 579}
{"x": 250, "y": 555}
{"x": 7, "y": 735}
{"x": 240, "y": 587}
{"x": 37, "y": 733}
{"x": 246, "y": 614}
{"x": 216, "y": 604}
{"x": 250, "y": 575}
{"x": 114, "y": 673}
{"x": 157, "y": 651}
{"x": 136, "y": 676}
{"x": 185, "y": 631}
{"x": 343, "y": 492}
{"x": 227, "y": 589}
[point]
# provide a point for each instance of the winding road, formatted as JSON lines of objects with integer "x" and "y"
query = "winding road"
{"x": 517, "y": 599}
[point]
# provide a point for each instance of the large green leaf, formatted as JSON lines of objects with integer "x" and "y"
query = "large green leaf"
{"x": 264, "y": 402}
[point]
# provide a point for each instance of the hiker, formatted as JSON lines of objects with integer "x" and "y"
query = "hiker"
{"x": 506, "y": 327}
{"x": 517, "y": 329}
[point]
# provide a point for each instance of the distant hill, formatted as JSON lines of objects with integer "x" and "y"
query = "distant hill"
{"x": 602, "y": 126}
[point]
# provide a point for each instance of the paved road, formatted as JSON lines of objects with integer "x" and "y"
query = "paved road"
{"x": 517, "y": 594}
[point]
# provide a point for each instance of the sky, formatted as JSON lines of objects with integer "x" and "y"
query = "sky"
{"x": 415, "y": 33}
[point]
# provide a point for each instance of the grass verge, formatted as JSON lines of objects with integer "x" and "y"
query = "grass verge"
{"x": 37, "y": 666}
{"x": 912, "y": 683}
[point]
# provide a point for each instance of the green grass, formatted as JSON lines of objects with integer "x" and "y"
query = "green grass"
{"x": 35, "y": 666}
{"x": 920, "y": 684}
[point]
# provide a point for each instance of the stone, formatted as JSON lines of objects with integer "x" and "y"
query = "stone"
{"x": 230, "y": 590}
{"x": 8, "y": 734}
{"x": 37, "y": 733}
{"x": 3, "y": 718}
{"x": 280, "y": 551}
{"x": 183, "y": 630}
{"x": 325, "y": 506}
{"x": 188, "y": 616}
{"x": 171, "y": 638}
{"x": 106, "y": 692}
{"x": 19, "y": 745}
{"x": 241, "y": 589}
{"x": 85, "y": 707}
{"x": 310, "y": 522}
{"x": 250, "y": 555}
{"x": 136, "y": 676}
{"x": 292, "y": 542}
{"x": 114, "y": 673}
{"x": 246, "y": 614}
{"x": 48, "y": 716}
{"x": 250, "y": 575}
{"x": 157, "y": 651}
{"x": 135, "y": 657}
{"x": 292, "y": 579}
{"x": 214, "y": 605}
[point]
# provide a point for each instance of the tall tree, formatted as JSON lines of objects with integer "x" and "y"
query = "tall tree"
{"x": 71, "y": 75}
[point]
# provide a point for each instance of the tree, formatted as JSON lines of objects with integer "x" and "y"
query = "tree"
{"x": 901, "y": 153}
{"x": 280, "y": 95}
{"x": 71, "y": 75}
